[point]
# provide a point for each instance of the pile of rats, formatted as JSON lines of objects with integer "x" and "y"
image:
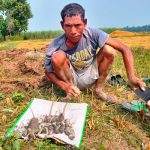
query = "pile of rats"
{"x": 47, "y": 125}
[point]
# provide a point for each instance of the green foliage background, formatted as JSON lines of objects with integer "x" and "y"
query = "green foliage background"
{"x": 14, "y": 15}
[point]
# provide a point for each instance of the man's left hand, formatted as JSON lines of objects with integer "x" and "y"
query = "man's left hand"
{"x": 136, "y": 82}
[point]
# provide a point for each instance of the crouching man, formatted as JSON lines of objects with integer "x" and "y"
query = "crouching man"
{"x": 83, "y": 56}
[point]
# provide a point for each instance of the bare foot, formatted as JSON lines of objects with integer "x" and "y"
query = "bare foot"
{"x": 102, "y": 95}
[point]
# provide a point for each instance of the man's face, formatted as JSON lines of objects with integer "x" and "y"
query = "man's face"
{"x": 73, "y": 27}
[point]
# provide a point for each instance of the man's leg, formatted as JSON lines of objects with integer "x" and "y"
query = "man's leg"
{"x": 105, "y": 58}
{"x": 62, "y": 70}
{"x": 61, "y": 66}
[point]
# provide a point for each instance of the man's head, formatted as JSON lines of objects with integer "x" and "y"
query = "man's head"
{"x": 71, "y": 10}
{"x": 73, "y": 21}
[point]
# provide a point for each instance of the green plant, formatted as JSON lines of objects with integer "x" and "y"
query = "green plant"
{"x": 2, "y": 96}
{"x": 7, "y": 45}
{"x": 14, "y": 18}
{"x": 17, "y": 96}
{"x": 11, "y": 143}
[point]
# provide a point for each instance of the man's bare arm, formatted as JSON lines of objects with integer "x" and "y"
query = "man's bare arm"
{"x": 128, "y": 61}
{"x": 126, "y": 53}
{"x": 52, "y": 77}
{"x": 68, "y": 88}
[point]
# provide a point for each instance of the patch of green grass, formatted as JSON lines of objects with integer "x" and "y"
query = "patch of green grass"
{"x": 17, "y": 96}
{"x": 132, "y": 138}
{"x": 2, "y": 96}
{"x": 11, "y": 142}
{"x": 2, "y": 73}
{"x": 142, "y": 61}
{"x": 7, "y": 45}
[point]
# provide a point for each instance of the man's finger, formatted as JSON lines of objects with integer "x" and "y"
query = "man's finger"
{"x": 133, "y": 88}
{"x": 142, "y": 88}
{"x": 76, "y": 90}
{"x": 72, "y": 94}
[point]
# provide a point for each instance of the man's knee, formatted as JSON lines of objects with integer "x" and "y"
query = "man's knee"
{"x": 46, "y": 72}
{"x": 108, "y": 51}
{"x": 58, "y": 58}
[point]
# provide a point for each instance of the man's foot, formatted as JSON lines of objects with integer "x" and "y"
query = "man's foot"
{"x": 102, "y": 95}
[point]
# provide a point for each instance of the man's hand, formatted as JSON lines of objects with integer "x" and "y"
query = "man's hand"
{"x": 136, "y": 82}
{"x": 72, "y": 91}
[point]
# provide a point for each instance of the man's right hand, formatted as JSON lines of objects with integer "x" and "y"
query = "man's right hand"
{"x": 72, "y": 91}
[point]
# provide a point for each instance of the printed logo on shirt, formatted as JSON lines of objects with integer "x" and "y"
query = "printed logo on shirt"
{"x": 80, "y": 59}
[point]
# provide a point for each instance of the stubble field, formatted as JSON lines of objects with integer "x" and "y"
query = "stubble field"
{"x": 108, "y": 126}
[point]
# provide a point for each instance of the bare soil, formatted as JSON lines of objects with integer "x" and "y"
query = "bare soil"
{"x": 21, "y": 69}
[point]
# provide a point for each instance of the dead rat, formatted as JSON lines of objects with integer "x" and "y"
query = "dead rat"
{"x": 33, "y": 127}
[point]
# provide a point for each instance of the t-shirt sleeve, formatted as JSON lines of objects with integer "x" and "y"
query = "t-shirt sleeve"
{"x": 100, "y": 37}
{"x": 51, "y": 49}
{"x": 54, "y": 46}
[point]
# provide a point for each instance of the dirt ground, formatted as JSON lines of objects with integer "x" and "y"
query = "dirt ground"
{"x": 22, "y": 70}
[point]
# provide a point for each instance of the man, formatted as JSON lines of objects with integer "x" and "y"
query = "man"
{"x": 83, "y": 56}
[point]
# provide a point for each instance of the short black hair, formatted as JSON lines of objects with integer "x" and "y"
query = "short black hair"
{"x": 72, "y": 9}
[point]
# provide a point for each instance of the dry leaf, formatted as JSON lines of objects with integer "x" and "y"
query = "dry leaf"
{"x": 130, "y": 96}
{"x": 120, "y": 89}
{"x": 147, "y": 146}
{"x": 9, "y": 101}
{"x": 4, "y": 118}
{"x": 119, "y": 122}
